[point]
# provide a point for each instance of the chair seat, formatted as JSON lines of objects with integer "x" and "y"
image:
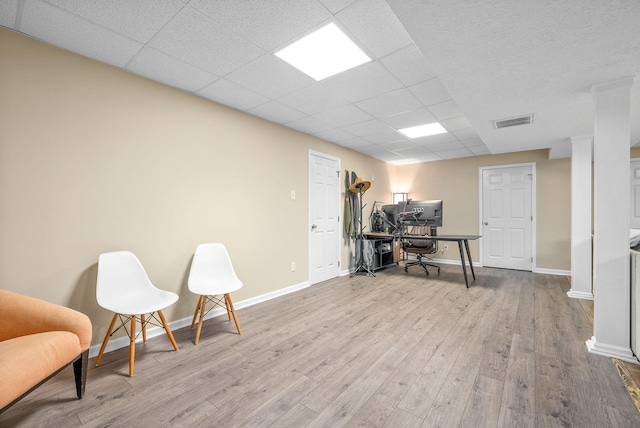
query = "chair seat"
{"x": 144, "y": 302}
{"x": 416, "y": 250}
{"x": 211, "y": 287}
{"x": 26, "y": 360}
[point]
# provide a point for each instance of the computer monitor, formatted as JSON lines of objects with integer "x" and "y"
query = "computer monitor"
{"x": 414, "y": 213}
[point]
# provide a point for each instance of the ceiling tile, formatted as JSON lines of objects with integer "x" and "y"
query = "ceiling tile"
{"x": 276, "y": 112}
{"x": 390, "y": 157}
{"x": 363, "y": 82}
{"x": 270, "y": 76}
{"x": 345, "y": 115}
{"x": 334, "y": 135}
{"x": 472, "y": 142}
{"x": 450, "y": 145}
{"x": 399, "y": 145}
{"x": 429, "y": 157}
{"x": 264, "y": 23}
{"x": 456, "y": 123}
{"x": 409, "y": 65}
{"x": 374, "y": 24}
{"x": 464, "y": 134}
{"x": 392, "y": 102}
{"x": 369, "y": 127}
{"x": 228, "y": 93}
{"x": 446, "y": 110}
{"x": 163, "y": 68}
{"x": 454, "y": 154}
{"x": 430, "y": 92}
{"x": 62, "y": 29}
{"x": 197, "y": 40}
{"x": 386, "y": 155}
{"x": 313, "y": 99}
{"x": 372, "y": 149}
{"x": 411, "y": 152}
{"x": 139, "y": 20}
{"x": 385, "y": 137}
{"x": 309, "y": 125}
{"x": 411, "y": 118}
{"x": 336, "y": 6}
{"x": 8, "y": 12}
{"x": 480, "y": 150}
{"x": 354, "y": 143}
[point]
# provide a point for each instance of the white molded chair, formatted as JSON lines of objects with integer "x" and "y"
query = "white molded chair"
{"x": 124, "y": 288}
{"x": 211, "y": 276}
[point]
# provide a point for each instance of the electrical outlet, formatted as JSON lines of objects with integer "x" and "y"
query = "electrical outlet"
{"x": 293, "y": 195}
{"x": 293, "y": 266}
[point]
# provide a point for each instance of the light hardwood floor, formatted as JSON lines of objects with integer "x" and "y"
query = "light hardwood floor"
{"x": 396, "y": 350}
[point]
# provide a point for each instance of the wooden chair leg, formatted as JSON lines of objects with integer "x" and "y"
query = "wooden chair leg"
{"x": 106, "y": 339}
{"x": 202, "y": 309}
{"x": 226, "y": 304}
{"x": 229, "y": 303}
{"x": 195, "y": 313}
{"x": 168, "y": 330}
{"x": 144, "y": 328}
{"x": 132, "y": 344}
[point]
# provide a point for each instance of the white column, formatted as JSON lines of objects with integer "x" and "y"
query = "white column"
{"x": 581, "y": 255}
{"x": 611, "y": 288}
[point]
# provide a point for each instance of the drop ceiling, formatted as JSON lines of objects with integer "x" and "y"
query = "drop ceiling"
{"x": 464, "y": 64}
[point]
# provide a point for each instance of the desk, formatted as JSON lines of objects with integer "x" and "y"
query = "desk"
{"x": 460, "y": 239}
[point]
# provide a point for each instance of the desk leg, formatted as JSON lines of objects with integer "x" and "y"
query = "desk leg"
{"x": 464, "y": 267}
{"x": 466, "y": 246}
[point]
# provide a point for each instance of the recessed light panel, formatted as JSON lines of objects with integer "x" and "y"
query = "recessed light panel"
{"x": 323, "y": 53}
{"x": 423, "y": 130}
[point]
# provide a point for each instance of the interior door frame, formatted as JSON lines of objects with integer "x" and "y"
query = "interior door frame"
{"x": 631, "y": 163}
{"x": 310, "y": 195}
{"x": 532, "y": 165}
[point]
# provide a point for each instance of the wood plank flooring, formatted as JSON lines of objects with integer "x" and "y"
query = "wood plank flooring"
{"x": 397, "y": 350}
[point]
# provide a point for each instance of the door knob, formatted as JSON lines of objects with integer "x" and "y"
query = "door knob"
{"x": 486, "y": 223}
{"x": 313, "y": 226}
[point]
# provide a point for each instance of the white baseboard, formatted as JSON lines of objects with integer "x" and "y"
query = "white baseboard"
{"x": 552, "y": 271}
{"x": 535, "y": 270}
{"x": 605, "y": 350}
{"x": 122, "y": 342}
{"x": 580, "y": 295}
{"x": 457, "y": 262}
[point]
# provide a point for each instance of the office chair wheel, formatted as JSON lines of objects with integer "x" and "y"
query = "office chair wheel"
{"x": 406, "y": 268}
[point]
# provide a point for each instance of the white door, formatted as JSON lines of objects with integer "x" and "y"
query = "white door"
{"x": 507, "y": 217}
{"x": 324, "y": 211}
{"x": 635, "y": 194}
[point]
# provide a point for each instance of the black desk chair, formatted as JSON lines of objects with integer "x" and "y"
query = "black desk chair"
{"x": 420, "y": 247}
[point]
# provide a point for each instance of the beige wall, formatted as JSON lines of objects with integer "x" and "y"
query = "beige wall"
{"x": 94, "y": 159}
{"x": 457, "y": 183}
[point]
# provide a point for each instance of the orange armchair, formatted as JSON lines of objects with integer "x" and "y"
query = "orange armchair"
{"x": 37, "y": 340}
